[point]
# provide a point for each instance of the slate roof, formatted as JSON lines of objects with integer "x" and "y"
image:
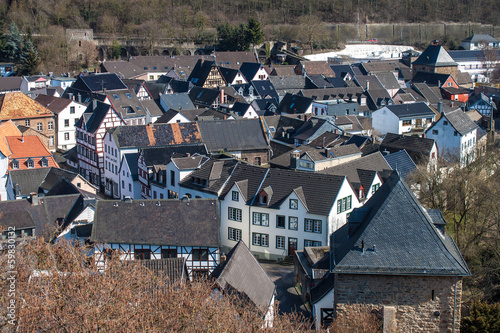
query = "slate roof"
{"x": 480, "y": 38}
{"x": 435, "y": 56}
{"x": 242, "y": 273}
{"x": 62, "y": 187}
{"x": 11, "y": 83}
{"x": 163, "y": 155}
{"x": 224, "y": 167}
{"x": 338, "y": 82}
{"x": 460, "y": 121}
{"x": 233, "y": 135}
{"x": 360, "y": 171}
{"x": 127, "y": 104}
{"x": 157, "y": 222}
{"x": 431, "y": 79}
{"x": 307, "y": 185}
{"x": 54, "y": 175}
{"x": 96, "y": 82}
{"x": 401, "y": 162}
{"x": 93, "y": 117}
{"x": 46, "y": 217}
{"x": 327, "y": 139}
{"x": 174, "y": 269}
{"x": 28, "y": 180}
{"x": 467, "y": 55}
{"x": 178, "y": 101}
{"x": 286, "y": 83}
{"x": 228, "y": 74}
{"x": 410, "y": 143}
{"x": 294, "y": 104}
{"x": 189, "y": 162}
{"x": 406, "y": 239}
{"x": 262, "y": 104}
{"x": 376, "y": 67}
{"x": 200, "y": 72}
{"x": 429, "y": 95}
{"x": 342, "y": 70}
{"x": 133, "y": 165}
{"x": 405, "y": 111}
{"x": 317, "y": 82}
{"x": 265, "y": 89}
{"x": 139, "y": 136}
{"x": 54, "y": 104}
{"x": 250, "y": 69}
{"x": 16, "y": 105}
{"x": 388, "y": 80}
{"x": 203, "y": 96}
{"x": 248, "y": 179}
{"x": 283, "y": 70}
{"x": 123, "y": 69}
{"x": 317, "y": 68}
{"x": 333, "y": 93}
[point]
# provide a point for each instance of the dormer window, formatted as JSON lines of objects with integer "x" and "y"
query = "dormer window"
{"x": 263, "y": 199}
{"x": 294, "y": 204}
{"x": 45, "y": 162}
{"x": 30, "y": 163}
{"x": 15, "y": 164}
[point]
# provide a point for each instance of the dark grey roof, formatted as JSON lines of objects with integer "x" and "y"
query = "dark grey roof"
{"x": 410, "y": 143}
{"x": 189, "y": 162}
{"x": 294, "y": 104}
{"x": 265, "y": 104}
{"x": 460, "y": 121}
{"x": 314, "y": 127}
{"x": 233, "y": 135}
{"x": 361, "y": 171}
{"x": 322, "y": 288}
{"x": 174, "y": 269}
{"x": 429, "y": 95}
{"x": 401, "y": 162}
{"x": 228, "y": 73}
{"x": 388, "y": 80}
{"x": 93, "y": 117}
{"x": 342, "y": 70}
{"x": 203, "y": 96}
{"x": 139, "y": 136}
{"x": 132, "y": 164}
{"x": 177, "y": 101}
{"x": 28, "y": 180}
{"x": 281, "y": 83}
{"x": 248, "y": 178}
{"x": 11, "y": 83}
{"x": 83, "y": 230}
{"x": 307, "y": 185}
{"x": 54, "y": 175}
{"x": 405, "y": 238}
{"x": 62, "y": 187}
{"x": 157, "y": 222}
{"x": 250, "y": 69}
{"x": 333, "y": 93}
{"x": 358, "y": 140}
{"x": 431, "y": 79}
{"x": 435, "y": 56}
{"x": 411, "y": 110}
{"x": 94, "y": 83}
{"x": 317, "y": 81}
{"x": 163, "y": 155}
{"x": 241, "y": 272}
{"x": 265, "y": 89}
{"x": 467, "y": 55}
{"x": 206, "y": 171}
{"x": 200, "y": 72}
{"x": 46, "y": 217}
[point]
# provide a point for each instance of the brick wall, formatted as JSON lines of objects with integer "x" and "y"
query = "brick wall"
{"x": 251, "y": 155}
{"x": 415, "y": 299}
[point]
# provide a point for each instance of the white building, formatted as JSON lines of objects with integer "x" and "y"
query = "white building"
{"x": 403, "y": 118}
{"x": 67, "y": 113}
{"x": 480, "y": 42}
{"x": 455, "y": 135}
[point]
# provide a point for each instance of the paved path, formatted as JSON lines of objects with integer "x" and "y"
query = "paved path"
{"x": 286, "y": 293}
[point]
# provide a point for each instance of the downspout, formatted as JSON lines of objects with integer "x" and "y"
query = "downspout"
{"x": 454, "y": 305}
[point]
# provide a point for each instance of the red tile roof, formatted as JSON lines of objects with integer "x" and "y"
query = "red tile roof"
{"x": 29, "y": 146}
{"x": 7, "y": 128}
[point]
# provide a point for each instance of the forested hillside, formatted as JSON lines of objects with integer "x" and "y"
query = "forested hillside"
{"x": 170, "y": 17}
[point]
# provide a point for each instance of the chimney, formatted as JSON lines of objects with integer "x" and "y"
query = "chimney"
{"x": 294, "y": 156}
{"x": 326, "y": 152}
{"x": 79, "y": 98}
{"x": 435, "y": 42}
{"x": 439, "y": 83}
{"x": 34, "y": 199}
{"x": 70, "y": 95}
{"x": 94, "y": 104}
{"x": 22, "y": 137}
{"x": 440, "y": 107}
{"x": 367, "y": 85}
{"x": 221, "y": 96}
{"x": 363, "y": 246}
{"x": 188, "y": 154}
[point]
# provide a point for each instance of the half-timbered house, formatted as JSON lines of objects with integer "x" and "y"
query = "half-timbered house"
{"x": 90, "y": 131}
{"x": 157, "y": 229}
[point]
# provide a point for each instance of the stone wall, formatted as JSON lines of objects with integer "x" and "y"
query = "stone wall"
{"x": 251, "y": 155}
{"x": 421, "y": 303}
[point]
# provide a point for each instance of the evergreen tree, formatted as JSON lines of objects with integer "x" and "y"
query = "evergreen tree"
{"x": 14, "y": 43}
{"x": 29, "y": 59}
{"x": 254, "y": 32}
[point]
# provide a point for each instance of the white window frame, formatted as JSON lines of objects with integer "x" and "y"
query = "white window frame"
{"x": 234, "y": 234}
{"x": 260, "y": 219}
{"x": 234, "y": 214}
